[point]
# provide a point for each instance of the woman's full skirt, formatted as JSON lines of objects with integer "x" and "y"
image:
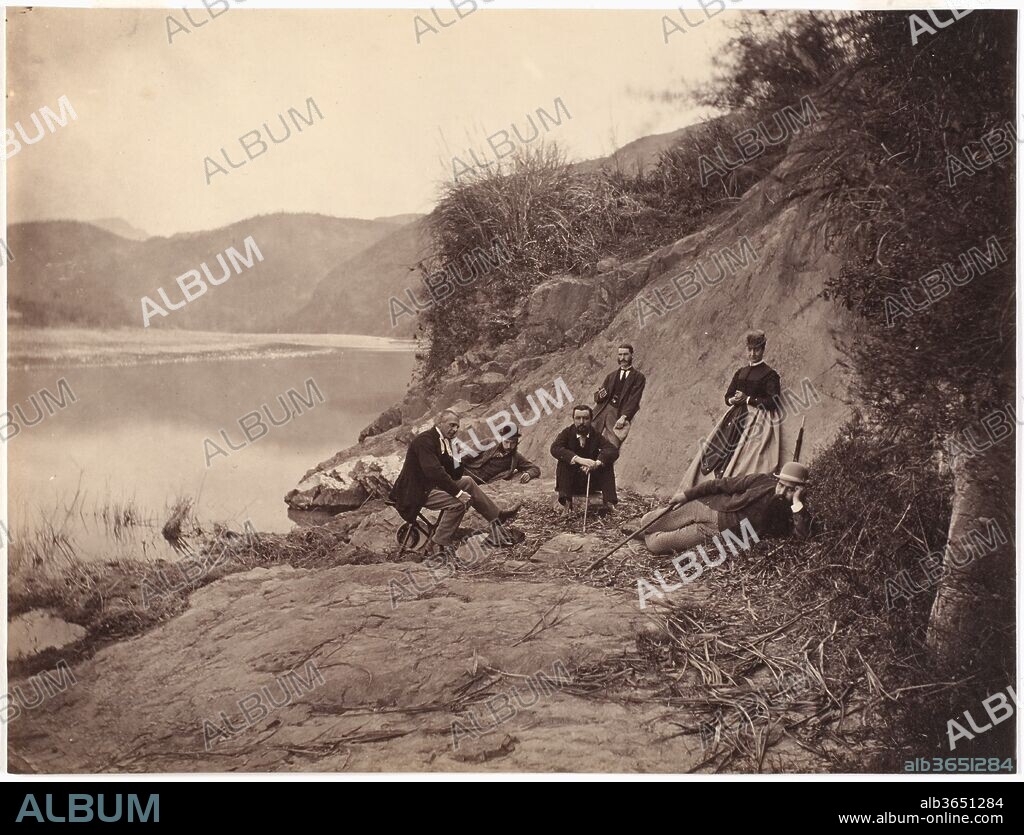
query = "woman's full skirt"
{"x": 758, "y": 448}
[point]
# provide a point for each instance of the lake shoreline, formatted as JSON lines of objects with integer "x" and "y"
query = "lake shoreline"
{"x": 33, "y": 347}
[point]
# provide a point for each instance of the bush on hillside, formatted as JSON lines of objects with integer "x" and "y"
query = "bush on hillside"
{"x": 554, "y": 218}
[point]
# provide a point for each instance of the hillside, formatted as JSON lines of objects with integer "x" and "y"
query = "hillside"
{"x": 353, "y": 296}
{"x": 572, "y": 325}
{"x": 72, "y": 273}
{"x": 399, "y": 220}
{"x": 119, "y": 226}
{"x": 641, "y": 153}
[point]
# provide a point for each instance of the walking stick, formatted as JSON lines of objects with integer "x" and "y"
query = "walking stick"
{"x": 600, "y": 560}
{"x": 586, "y": 506}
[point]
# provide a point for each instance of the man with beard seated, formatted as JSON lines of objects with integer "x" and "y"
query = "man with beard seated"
{"x": 774, "y": 506}
{"x": 501, "y": 462}
{"x": 582, "y": 452}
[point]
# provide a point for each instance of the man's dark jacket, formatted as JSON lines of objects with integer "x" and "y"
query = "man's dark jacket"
{"x": 426, "y": 468}
{"x": 481, "y": 464}
{"x": 752, "y": 497}
{"x": 567, "y": 475}
{"x": 625, "y": 397}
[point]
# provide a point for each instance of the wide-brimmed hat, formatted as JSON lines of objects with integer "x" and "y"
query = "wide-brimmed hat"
{"x": 756, "y": 339}
{"x": 794, "y": 473}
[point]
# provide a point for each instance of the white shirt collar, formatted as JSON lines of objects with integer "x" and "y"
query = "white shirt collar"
{"x": 759, "y": 362}
{"x": 444, "y": 441}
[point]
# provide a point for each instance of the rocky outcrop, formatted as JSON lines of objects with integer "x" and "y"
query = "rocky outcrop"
{"x": 525, "y": 366}
{"x": 362, "y": 668}
{"x": 472, "y": 386}
{"x": 387, "y": 420}
{"x": 553, "y": 309}
{"x": 344, "y": 487}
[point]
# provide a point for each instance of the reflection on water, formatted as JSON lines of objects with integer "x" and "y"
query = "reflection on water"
{"x": 35, "y": 631}
{"x": 135, "y": 437}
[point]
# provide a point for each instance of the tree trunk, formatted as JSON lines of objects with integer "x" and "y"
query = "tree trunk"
{"x": 971, "y": 627}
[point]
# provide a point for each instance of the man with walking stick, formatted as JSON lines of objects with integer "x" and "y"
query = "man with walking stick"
{"x": 585, "y": 460}
{"x": 774, "y": 506}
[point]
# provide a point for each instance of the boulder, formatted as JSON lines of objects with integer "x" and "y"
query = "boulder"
{"x": 414, "y": 406}
{"x": 388, "y": 419}
{"x": 462, "y": 387}
{"x": 377, "y": 532}
{"x": 525, "y": 366}
{"x": 486, "y": 387}
{"x": 344, "y": 487}
{"x": 553, "y": 308}
{"x": 494, "y": 367}
{"x": 477, "y": 357}
{"x": 507, "y": 353}
{"x": 322, "y": 491}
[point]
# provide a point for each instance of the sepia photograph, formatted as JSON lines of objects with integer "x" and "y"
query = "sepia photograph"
{"x": 467, "y": 389}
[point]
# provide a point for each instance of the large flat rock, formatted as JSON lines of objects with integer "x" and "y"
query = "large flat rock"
{"x": 370, "y": 665}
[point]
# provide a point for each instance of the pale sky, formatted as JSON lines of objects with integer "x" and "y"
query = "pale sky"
{"x": 394, "y": 111}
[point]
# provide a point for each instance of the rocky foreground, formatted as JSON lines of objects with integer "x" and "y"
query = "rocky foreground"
{"x": 516, "y": 660}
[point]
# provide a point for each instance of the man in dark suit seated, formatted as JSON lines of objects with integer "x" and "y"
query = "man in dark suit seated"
{"x": 581, "y": 451}
{"x": 431, "y": 479}
{"x": 501, "y": 462}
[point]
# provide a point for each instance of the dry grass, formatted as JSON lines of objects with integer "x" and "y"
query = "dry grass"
{"x": 789, "y": 653}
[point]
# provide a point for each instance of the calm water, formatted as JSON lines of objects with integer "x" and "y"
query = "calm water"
{"x": 135, "y": 433}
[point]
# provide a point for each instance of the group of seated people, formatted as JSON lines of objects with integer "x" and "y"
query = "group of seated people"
{"x": 735, "y": 477}
{"x": 432, "y": 477}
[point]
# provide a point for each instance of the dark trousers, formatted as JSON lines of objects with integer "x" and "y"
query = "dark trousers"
{"x": 601, "y": 481}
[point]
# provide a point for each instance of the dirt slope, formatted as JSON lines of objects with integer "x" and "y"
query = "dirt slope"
{"x": 690, "y": 353}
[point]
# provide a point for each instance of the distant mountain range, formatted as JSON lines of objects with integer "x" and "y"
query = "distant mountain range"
{"x": 319, "y": 274}
{"x": 639, "y": 154}
{"x": 74, "y": 273}
{"x": 121, "y": 227}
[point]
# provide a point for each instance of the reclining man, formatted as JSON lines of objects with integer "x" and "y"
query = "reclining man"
{"x": 581, "y": 451}
{"x": 431, "y": 479}
{"x": 773, "y": 505}
{"x": 501, "y": 462}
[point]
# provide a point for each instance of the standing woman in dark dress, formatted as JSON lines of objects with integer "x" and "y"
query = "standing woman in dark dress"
{"x": 748, "y": 438}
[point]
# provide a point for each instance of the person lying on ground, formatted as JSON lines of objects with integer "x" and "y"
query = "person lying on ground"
{"x": 501, "y": 462}
{"x": 431, "y": 479}
{"x": 581, "y": 451}
{"x": 774, "y": 506}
